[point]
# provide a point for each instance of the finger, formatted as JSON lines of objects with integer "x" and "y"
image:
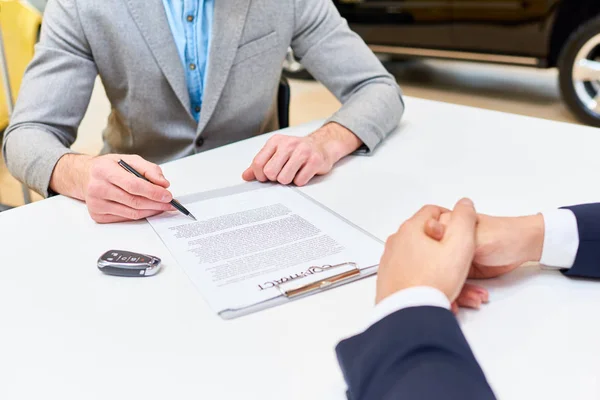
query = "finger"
{"x": 118, "y": 195}
{"x": 426, "y": 213}
{"x": 248, "y": 175}
{"x": 312, "y": 167}
{"x": 480, "y": 216}
{"x": 463, "y": 221}
{"x": 434, "y": 229}
{"x": 105, "y": 207}
{"x": 480, "y": 291}
{"x": 445, "y": 218}
{"x": 276, "y": 163}
{"x": 471, "y": 296}
{"x": 106, "y": 218}
{"x": 454, "y": 308}
{"x": 151, "y": 171}
{"x": 484, "y": 272}
{"x": 138, "y": 187}
{"x": 298, "y": 158}
{"x": 261, "y": 159}
{"x": 469, "y": 300}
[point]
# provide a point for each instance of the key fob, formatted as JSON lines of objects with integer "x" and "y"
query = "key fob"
{"x": 128, "y": 263}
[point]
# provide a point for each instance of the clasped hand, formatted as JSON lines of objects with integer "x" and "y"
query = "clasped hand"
{"x": 440, "y": 248}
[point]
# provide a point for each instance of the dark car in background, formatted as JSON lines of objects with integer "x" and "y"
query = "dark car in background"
{"x": 537, "y": 33}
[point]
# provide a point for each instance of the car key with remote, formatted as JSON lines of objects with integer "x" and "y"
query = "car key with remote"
{"x": 128, "y": 263}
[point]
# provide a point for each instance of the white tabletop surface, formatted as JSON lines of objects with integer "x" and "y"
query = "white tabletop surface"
{"x": 67, "y": 331}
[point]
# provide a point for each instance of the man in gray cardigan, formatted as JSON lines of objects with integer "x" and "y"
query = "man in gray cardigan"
{"x": 184, "y": 76}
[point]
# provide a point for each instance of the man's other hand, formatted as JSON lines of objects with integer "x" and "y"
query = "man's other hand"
{"x": 412, "y": 258}
{"x": 503, "y": 243}
{"x": 287, "y": 159}
{"x": 111, "y": 193}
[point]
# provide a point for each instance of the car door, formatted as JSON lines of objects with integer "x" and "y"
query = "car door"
{"x": 412, "y": 23}
{"x": 512, "y": 27}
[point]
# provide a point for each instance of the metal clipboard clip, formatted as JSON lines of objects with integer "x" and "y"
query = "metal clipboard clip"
{"x": 321, "y": 283}
{"x": 331, "y": 276}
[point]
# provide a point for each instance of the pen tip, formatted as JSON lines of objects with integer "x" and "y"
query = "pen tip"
{"x": 194, "y": 218}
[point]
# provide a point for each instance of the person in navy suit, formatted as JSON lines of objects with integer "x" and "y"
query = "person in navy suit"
{"x": 414, "y": 348}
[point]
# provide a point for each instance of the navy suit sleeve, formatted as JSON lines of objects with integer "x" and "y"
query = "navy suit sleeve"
{"x": 415, "y": 353}
{"x": 587, "y": 261}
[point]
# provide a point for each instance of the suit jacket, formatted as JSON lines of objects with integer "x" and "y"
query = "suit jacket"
{"x": 415, "y": 353}
{"x": 129, "y": 44}
{"x": 421, "y": 353}
{"x": 587, "y": 260}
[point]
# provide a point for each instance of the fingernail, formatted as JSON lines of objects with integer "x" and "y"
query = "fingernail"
{"x": 166, "y": 198}
{"x": 466, "y": 201}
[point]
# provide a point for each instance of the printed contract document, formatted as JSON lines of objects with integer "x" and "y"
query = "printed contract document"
{"x": 254, "y": 241}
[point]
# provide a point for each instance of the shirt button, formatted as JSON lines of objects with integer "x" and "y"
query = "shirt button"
{"x": 192, "y": 66}
{"x": 197, "y": 109}
{"x": 190, "y": 18}
{"x": 199, "y": 142}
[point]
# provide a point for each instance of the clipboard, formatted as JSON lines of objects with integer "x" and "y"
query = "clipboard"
{"x": 298, "y": 289}
{"x": 357, "y": 259}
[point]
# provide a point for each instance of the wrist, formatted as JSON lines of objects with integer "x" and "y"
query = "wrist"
{"x": 336, "y": 141}
{"x": 390, "y": 287}
{"x": 532, "y": 228}
{"x": 70, "y": 175}
{"x": 416, "y": 296}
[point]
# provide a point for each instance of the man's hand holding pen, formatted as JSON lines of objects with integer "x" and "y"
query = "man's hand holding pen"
{"x": 111, "y": 193}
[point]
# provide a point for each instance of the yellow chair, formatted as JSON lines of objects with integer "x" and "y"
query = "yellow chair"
{"x": 20, "y": 22}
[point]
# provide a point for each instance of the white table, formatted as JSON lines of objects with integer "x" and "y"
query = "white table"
{"x": 69, "y": 332}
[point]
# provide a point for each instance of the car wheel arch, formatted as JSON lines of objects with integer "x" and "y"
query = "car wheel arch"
{"x": 570, "y": 15}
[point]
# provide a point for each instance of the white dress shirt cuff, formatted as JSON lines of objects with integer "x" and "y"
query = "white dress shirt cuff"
{"x": 412, "y": 297}
{"x": 561, "y": 239}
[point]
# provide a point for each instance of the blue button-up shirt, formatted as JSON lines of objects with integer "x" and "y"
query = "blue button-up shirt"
{"x": 191, "y": 25}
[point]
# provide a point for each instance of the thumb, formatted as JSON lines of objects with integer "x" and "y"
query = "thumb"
{"x": 248, "y": 175}
{"x": 463, "y": 221}
{"x": 435, "y": 229}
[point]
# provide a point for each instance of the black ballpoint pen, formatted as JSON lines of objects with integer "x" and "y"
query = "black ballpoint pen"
{"x": 174, "y": 202}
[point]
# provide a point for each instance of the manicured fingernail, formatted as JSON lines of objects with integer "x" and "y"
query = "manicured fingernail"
{"x": 166, "y": 198}
{"x": 465, "y": 201}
